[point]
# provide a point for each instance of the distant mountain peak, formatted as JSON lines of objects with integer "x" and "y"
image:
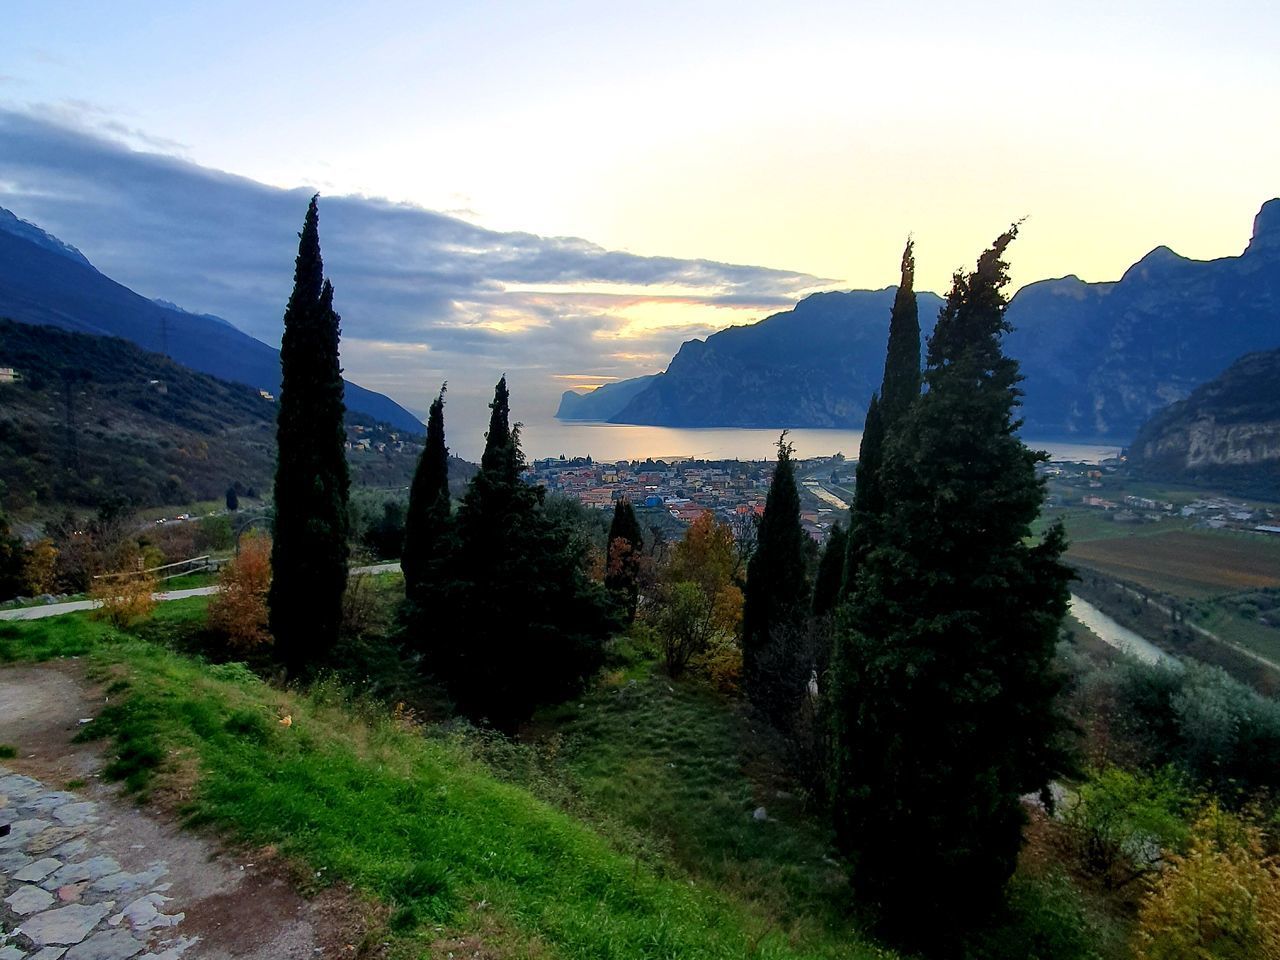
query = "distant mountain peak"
{"x": 1266, "y": 229}
{"x": 11, "y": 223}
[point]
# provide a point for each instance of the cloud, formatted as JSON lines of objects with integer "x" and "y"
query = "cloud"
{"x": 425, "y": 296}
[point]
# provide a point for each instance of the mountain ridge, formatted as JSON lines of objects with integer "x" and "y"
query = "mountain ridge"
{"x": 44, "y": 280}
{"x": 1098, "y": 358}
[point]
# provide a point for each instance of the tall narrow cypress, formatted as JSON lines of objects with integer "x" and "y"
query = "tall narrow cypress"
{"x": 622, "y": 557}
{"x": 901, "y": 384}
{"x": 776, "y": 599}
{"x": 427, "y": 522}
{"x": 942, "y": 696}
{"x": 899, "y": 388}
{"x": 309, "y": 549}
{"x": 827, "y": 581}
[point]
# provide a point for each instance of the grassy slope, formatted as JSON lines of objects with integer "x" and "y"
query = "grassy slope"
{"x": 354, "y": 796}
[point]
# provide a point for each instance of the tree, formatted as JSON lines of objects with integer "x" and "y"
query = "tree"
{"x": 826, "y": 584}
{"x": 12, "y": 561}
{"x": 233, "y": 499}
{"x": 899, "y": 388}
{"x": 943, "y": 686}
{"x": 428, "y": 524}
{"x": 528, "y": 625}
{"x": 622, "y": 562}
{"x": 699, "y": 602}
{"x": 776, "y": 600}
{"x": 309, "y": 551}
{"x": 239, "y": 609}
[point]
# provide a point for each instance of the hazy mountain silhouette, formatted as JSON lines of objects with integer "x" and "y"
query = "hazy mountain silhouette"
{"x": 1099, "y": 358}
{"x": 44, "y": 280}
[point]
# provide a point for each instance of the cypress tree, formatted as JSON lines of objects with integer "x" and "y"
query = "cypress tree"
{"x": 622, "y": 560}
{"x": 899, "y": 388}
{"x": 309, "y": 547}
{"x": 942, "y": 693}
{"x": 533, "y": 622}
{"x": 428, "y": 522}
{"x": 12, "y": 561}
{"x": 827, "y": 582}
{"x": 776, "y": 599}
{"x": 901, "y": 384}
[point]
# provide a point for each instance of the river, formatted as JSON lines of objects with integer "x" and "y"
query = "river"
{"x": 1120, "y": 637}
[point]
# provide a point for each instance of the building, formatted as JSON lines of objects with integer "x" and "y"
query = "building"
{"x": 9, "y": 375}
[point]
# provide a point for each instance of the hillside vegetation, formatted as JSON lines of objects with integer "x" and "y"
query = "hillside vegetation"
{"x": 94, "y": 417}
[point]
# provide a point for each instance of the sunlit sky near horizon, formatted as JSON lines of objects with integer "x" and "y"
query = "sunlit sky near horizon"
{"x": 809, "y": 139}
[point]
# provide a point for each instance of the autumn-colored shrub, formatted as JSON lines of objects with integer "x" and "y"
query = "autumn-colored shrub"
{"x": 721, "y": 664}
{"x": 123, "y": 598}
{"x": 1218, "y": 901}
{"x": 239, "y": 610}
{"x": 40, "y": 567}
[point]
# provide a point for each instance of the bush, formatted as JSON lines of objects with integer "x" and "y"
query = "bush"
{"x": 214, "y": 533}
{"x": 1122, "y": 822}
{"x": 239, "y": 610}
{"x": 124, "y": 598}
{"x": 1218, "y": 901}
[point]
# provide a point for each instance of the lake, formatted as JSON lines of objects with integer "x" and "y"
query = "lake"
{"x": 613, "y": 441}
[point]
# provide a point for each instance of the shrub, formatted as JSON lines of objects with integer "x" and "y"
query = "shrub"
{"x": 1122, "y": 822}
{"x": 239, "y": 610}
{"x": 41, "y": 567}
{"x": 1218, "y": 901}
{"x": 124, "y": 598}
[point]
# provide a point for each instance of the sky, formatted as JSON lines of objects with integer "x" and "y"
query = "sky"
{"x": 567, "y": 191}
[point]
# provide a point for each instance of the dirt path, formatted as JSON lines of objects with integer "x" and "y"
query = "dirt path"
{"x": 85, "y": 874}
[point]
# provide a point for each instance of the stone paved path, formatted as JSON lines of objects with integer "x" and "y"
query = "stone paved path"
{"x": 63, "y": 898}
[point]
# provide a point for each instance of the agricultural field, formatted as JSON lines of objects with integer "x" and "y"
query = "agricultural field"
{"x": 1191, "y": 564}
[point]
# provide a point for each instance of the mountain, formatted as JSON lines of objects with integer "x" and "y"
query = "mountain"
{"x": 1099, "y": 358}
{"x": 602, "y": 402}
{"x": 91, "y": 417}
{"x": 45, "y": 281}
{"x": 813, "y": 366}
{"x": 1225, "y": 434}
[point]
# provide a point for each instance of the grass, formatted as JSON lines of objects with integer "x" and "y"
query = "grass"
{"x": 354, "y": 796}
{"x": 682, "y": 770}
{"x": 1262, "y": 639}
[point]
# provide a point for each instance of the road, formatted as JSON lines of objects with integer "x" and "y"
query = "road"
{"x": 71, "y": 606}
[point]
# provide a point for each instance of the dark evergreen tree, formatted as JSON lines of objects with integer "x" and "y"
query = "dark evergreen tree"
{"x": 233, "y": 499}
{"x": 623, "y": 557}
{"x": 899, "y": 388}
{"x": 428, "y": 525}
{"x": 827, "y": 583}
{"x": 12, "y": 561}
{"x": 531, "y": 622}
{"x": 777, "y": 599}
{"x": 901, "y": 384}
{"x": 309, "y": 547}
{"x": 942, "y": 684}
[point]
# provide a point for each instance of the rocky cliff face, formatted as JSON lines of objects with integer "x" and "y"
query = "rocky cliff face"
{"x": 1227, "y": 432}
{"x": 814, "y": 366}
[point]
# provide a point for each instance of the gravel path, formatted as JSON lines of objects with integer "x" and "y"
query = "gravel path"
{"x": 71, "y": 606}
